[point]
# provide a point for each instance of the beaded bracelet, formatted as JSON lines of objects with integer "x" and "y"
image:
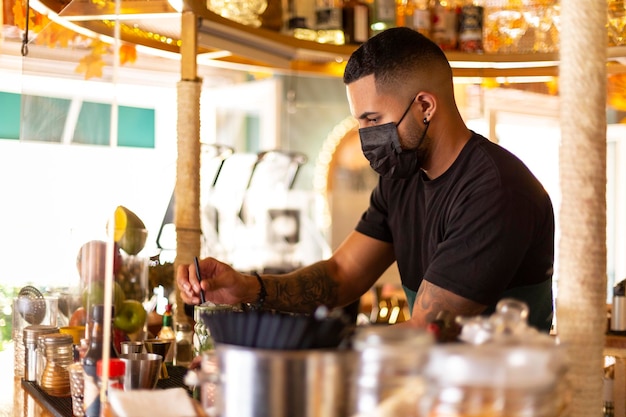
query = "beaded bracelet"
{"x": 262, "y": 291}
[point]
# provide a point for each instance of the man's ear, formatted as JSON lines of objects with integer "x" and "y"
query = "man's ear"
{"x": 427, "y": 104}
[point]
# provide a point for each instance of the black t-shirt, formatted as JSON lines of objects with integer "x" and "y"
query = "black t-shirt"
{"x": 482, "y": 230}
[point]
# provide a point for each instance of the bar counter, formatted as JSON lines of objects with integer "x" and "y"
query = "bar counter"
{"x": 30, "y": 401}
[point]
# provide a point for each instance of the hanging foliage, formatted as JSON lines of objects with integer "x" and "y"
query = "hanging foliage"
{"x": 53, "y": 35}
{"x": 92, "y": 64}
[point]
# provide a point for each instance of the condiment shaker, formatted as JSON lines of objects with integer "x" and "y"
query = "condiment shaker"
{"x": 31, "y": 335}
{"x": 55, "y": 379}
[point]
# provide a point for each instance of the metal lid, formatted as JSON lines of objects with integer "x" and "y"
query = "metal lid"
{"x": 383, "y": 336}
{"x": 32, "y": 332}
{"x": 57, "y": 339}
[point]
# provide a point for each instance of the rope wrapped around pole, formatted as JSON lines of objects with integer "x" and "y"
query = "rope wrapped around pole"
{"x": 581, "y": 296}
{"x": 187, "y": 191}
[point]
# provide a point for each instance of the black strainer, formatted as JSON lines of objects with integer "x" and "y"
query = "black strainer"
{"x": 31, "y": 305}
{"x": 277, "y": 330}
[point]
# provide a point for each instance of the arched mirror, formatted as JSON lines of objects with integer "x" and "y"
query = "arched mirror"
{"x": 347, "y": 180}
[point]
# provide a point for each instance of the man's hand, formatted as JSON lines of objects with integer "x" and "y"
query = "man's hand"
{"x": 220, "y": 283}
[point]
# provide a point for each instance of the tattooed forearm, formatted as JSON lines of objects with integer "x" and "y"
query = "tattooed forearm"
{"x": 302, "y": 291}
{"x": 432, "y": 300}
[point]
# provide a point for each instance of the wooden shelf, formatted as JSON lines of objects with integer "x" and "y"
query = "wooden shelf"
{"x": 224, "y": 42}
{"x": 287, "y": 52}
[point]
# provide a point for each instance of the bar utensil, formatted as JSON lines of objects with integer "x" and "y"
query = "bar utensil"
{"x": 31, "y": 305}
{"x": 195, "y": 260}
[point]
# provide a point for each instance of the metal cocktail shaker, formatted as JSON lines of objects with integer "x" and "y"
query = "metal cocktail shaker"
{"x": 618, "y": 312}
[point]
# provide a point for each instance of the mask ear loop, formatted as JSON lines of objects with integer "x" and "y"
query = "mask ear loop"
{"x": 407, "y": 110}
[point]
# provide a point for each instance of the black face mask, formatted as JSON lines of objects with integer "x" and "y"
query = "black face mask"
{"x": 381, "y": 147}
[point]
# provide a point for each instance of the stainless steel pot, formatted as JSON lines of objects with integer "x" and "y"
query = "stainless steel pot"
{"x": 278, "y": 383}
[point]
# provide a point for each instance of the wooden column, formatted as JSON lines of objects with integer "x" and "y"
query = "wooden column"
{"x": 581, "y": 297}
{"x": 187, "y": 190}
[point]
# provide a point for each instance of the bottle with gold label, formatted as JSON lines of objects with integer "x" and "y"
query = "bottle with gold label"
{"x": 328, "y": 21}
{"x": 416, "y": 14}
{"x": 299, "y": 20}
{"x": 471, "y": 26}
{"x": 383, "y": 15}
{"x": 167, "y": 333}
{"x": 445, "y": 24}
{"x": 356, "y": 21}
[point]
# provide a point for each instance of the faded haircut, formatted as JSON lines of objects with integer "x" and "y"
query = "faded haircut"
{"x": 394, "y": 57}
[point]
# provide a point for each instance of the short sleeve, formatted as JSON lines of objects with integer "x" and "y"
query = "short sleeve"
{"x": 373, "y": 222}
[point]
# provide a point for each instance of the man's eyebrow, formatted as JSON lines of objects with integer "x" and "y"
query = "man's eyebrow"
{"x": 364, "y": 115}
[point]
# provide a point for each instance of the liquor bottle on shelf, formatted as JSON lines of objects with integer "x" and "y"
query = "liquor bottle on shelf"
{"x": 415, "y": 14}
{"x": 167, "y": 333}
{"x": 471, "y": 26}
{"x": 616, "y": 22}
{"x": 401, "y": 12}
{"x": 328, "y": 21}
{"x": 445, "y": 24}
{"x": 504, "y": 26}
{"x": 299, "y": 20}
{"x": 383, "y": 15}
{"x": 356, "y": 21}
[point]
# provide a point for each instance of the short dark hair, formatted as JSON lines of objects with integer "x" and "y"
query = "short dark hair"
{"x": 393, "y": 55}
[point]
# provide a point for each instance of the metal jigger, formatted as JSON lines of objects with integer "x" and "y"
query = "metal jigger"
{"x": 160, "y": 347}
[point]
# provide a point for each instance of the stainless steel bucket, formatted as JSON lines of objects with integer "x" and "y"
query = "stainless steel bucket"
{"x": 279, "y": 383}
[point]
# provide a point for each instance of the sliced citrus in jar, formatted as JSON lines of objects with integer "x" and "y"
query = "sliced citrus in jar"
{"x": 130, "y": 232}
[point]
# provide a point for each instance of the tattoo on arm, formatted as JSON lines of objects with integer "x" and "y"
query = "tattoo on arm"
{"x": 431, "y": 300}
{"x": 303, "y": 290}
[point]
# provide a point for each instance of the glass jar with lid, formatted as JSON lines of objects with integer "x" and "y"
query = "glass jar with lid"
{"x": 505, "y": 368}
{"x": 390, "y": 362}
{"x": 55, "y": 379}
{"x": 496, "y": 380}
{"x": 184, "y": 344}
